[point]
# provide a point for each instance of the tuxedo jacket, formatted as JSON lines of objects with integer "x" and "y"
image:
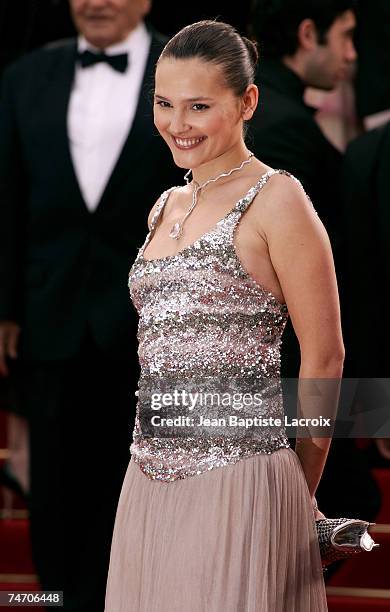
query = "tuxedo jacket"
{"x": 366, "y": 217}
{"x": 62, "y": 267}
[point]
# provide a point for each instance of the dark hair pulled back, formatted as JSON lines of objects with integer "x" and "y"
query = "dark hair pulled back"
{"x": 220, "y": 44}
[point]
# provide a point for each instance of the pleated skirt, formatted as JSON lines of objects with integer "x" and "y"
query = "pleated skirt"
{"x": 239, "y": 538}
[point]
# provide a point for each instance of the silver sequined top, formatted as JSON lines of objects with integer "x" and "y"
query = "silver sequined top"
{"x": 204, "y": 320}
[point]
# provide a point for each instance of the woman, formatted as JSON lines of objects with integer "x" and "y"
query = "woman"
{"x": 223, "y": 521}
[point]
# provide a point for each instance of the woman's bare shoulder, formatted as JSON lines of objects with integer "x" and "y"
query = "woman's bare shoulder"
{"x": 284, "y": 196}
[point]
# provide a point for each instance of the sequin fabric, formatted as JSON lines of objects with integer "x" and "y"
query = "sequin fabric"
{"x": 202, "y": 317}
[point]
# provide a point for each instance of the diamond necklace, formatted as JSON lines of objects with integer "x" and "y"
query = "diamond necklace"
{"x": 177, "y": 229}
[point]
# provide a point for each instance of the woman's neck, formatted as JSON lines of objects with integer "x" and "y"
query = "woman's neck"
{"x": 232, "y": 158}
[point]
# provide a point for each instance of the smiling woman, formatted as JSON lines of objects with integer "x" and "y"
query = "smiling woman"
{"x": 200, "y": 96}
{"x": 200, "y": 124}
{"x": 228, "y": 517}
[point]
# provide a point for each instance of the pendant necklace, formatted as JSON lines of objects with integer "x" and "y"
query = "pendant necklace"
{"x": 177, "y": 229}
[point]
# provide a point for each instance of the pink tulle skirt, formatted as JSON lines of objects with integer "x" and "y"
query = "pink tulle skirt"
{"x": 239, "y": 538}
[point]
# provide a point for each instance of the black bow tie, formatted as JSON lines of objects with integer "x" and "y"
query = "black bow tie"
{"x": 88, "y": 58}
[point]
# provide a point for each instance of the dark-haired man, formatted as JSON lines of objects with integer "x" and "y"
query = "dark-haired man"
{"x": 309, "y": 43}
{"x": 80, "y": 167}
{"x": 302, "y": 43}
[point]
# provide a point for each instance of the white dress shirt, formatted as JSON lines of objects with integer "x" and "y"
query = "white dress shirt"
{"x": 101, "y": 111}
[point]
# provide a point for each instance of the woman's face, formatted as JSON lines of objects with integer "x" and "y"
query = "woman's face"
{"x": 194, "y": 111}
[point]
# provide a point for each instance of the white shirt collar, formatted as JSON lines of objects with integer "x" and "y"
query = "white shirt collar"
{"x": 129, "y": 45}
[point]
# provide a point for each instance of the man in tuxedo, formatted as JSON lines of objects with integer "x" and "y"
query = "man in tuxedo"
{"x": 310, "y": 43}
{"x": 80, "y": 167}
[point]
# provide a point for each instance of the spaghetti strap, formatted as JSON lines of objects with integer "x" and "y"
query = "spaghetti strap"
{"x": 163, "y": 199}
{"x": 245, "y": 202}
{"x": 155, "y": 218}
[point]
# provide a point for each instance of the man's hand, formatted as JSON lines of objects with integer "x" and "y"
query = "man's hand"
{"x": 9, "y": 336}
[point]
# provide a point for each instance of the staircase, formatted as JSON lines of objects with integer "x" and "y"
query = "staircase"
{"x": 362, "y": 584}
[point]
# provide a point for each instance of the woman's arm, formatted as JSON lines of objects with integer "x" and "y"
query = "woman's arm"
{"x": 301, "y": 255}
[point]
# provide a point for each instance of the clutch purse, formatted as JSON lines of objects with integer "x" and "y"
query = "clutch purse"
{"x": 341, "y": 538}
